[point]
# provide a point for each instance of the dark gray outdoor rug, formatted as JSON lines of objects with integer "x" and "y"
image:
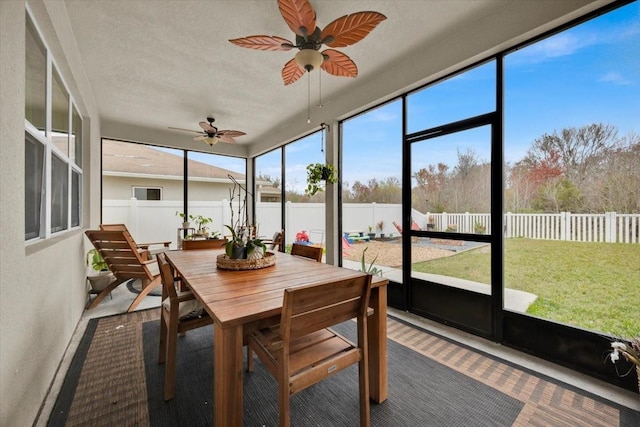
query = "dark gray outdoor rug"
{"x": 115, "y": 380}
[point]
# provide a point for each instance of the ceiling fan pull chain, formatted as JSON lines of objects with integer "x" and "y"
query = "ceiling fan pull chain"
{"x": 320, "y": 89}
{"x": 308, "y": 97}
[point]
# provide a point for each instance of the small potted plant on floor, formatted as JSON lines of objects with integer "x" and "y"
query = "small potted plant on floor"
{"x": 316, "y": 174}
{"x": 101, "y": 276}
{"x": 380, "y": 227}
{"x": 371, "y": 234}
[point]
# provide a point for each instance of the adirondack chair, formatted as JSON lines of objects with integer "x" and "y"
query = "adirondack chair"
{"x": 126, "y": 261}
{"x": 144, "y": 247}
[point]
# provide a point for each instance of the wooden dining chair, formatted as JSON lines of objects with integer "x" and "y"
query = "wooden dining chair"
{"x": 181, "y": 312}
{"x": 302, "y": 351}
{"x": 312, "y": 252}
{"x": 126, "y": 261}
{"x": 144, "y": 247}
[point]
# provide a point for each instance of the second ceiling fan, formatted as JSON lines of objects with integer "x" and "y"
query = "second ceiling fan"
{"x": 211, "y": 135}
{"x": 301, "y": 19}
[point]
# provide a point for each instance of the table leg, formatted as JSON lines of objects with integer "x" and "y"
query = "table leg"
{"x": 377, "y": 336}
{"x": 227, "y": 376}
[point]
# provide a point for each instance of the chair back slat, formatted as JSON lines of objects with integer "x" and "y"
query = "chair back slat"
{"x": 113, "y": 227}
{"x": 311, "y": 252}
{"x": 311, "y": 321}
{"x": 311, "y": 308}
{"x": 120, "y": 253}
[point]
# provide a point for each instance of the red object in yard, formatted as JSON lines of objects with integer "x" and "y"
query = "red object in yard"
{"x": 302, "y": 236}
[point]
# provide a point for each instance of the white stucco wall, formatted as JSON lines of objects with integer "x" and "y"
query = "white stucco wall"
{"x": 42, "y": 285}
{"x": 119, "y": 187}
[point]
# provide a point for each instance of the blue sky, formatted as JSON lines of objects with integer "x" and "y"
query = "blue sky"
{"x": 588, "y": 74}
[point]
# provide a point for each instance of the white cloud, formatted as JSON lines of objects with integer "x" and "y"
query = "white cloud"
{"x": 616, "y": 78}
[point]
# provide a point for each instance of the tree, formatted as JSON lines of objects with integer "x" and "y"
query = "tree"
{"x": 559, "y": 195}
{"x": 387, "y": 190}
{"x": 465, "y": 188}
{"x": 586, "y": 169}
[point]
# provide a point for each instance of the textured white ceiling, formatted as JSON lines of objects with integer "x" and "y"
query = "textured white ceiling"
{"x": 155, "y": 64}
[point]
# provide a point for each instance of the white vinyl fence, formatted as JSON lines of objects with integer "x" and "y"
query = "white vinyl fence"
{"x": 153, "y": 221}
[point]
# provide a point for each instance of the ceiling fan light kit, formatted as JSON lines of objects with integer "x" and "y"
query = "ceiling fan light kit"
{"x": 309, "y": 59}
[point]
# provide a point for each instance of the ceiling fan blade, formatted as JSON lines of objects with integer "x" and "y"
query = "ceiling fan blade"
{"x": 186, "y": 130}
{"x": 230, "y": 133}
{"x": 298, "y": 13}
{"x": 338, "y": 64}
{"x": 261, "y": 42}
{"x": 200, "y": 138}
{"x": 226, "y": 138}
{"x": 291, "y": 72}
{"x": 352, "y": 28}
{"x": 207, "y": 127}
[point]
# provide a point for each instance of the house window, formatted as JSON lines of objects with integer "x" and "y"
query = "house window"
{"x": 147, "y": 193}
{"x": 34, "y": 187}
{"x": 35, "y": 79}
{"x": 59, "y": 194}
{"x": 53, "y": 144}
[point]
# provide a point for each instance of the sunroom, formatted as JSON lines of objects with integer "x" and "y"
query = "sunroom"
{"x": 448, "y": 146}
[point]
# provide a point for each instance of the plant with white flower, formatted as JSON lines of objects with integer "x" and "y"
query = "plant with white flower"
{"x": 630, "y": 352}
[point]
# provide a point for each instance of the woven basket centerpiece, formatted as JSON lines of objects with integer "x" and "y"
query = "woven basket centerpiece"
{"x": 225, "y": 263}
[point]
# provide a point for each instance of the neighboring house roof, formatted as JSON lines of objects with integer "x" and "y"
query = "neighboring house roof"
{"x": 130, "y": 159}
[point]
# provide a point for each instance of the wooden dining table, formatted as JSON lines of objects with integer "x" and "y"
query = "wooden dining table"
{"x": 241, "y": 301}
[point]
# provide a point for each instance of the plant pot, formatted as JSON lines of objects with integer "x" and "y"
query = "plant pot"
{"x": 186, "y": 224}
{"x": 100, "y": 280}
{"x": 239, "y": 252}
{"x": 325, "y": 174}
{"x": 372, "y": 236}
{"x": 431, "y": 226}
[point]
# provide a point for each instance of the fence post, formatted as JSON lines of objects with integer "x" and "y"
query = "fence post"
{"x": 565, "y": 226}
{"x": 507, "y": 225}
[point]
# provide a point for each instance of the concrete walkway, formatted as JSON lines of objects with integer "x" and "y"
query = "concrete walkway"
{"x": 514, "y": 300}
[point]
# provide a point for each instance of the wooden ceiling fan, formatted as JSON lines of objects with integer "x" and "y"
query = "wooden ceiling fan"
{"x": 301, "y": 19}
{"x": 211, "y": 135}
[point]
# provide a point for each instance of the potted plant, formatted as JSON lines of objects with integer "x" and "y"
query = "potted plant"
{"x": 380, "y": 227}
{"x": 185, "y": 219}
{"x": 242, "y": 244}
{"x": 371, "y": 269}
{"x": 371, "y": 234}
{"x": 431, "y": 225}
{"x": 630, "y": 351}
{"x": 318, "y": 172}
{"x": 201, "y": 222}
{"x": 101, "y": 277}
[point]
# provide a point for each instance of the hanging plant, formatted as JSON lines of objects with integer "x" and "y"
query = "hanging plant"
{"x": 316, "y": 174}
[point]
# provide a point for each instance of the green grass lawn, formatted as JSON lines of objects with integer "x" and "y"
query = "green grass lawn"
{"x": 591, "y": 285}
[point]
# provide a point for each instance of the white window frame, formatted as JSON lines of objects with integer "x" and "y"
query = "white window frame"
{"x": 145, "y": 187}
{"x": 50, "y": 148}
